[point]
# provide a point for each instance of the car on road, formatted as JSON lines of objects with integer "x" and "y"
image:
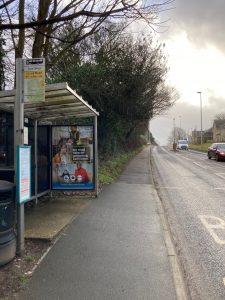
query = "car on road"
{"x": 217, "y": 151}
{"x": 182, "y": 145}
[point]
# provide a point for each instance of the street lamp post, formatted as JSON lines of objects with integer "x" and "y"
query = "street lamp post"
{"x": 174, "y": 135}
{"x": 180, "y": 136}
{"x": 200, "y": 93}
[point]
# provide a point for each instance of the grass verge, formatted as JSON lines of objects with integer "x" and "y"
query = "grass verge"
{"x": 109, "y": 170}
{"x": 202, "y": 148}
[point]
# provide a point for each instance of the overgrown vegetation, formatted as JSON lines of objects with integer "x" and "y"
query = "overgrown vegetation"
{"x": 109, "y": 170}
{"x": 123, "y": 78}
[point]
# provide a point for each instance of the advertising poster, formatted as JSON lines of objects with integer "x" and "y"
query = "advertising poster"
{"x": 72, "y": 157}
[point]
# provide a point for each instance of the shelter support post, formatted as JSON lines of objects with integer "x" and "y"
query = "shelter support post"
{"x": 96, "y": 154}
{"x": 35, "y": 163}
{"x": 18, "y": 140}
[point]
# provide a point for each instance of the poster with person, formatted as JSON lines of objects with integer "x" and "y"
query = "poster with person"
{"x": 72, "y": 157}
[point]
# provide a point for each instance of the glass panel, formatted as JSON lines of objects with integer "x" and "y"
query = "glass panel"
{"x": 43, "y": 159}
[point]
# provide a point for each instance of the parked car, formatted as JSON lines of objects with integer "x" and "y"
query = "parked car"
{"x": 217, "y": 151}
{"x": 182, "y": 144}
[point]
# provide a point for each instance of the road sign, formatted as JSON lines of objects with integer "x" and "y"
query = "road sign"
{"x": 24, "y": 173}
{"x": 34, "y": 79}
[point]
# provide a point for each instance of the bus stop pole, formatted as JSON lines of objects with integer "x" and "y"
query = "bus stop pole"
{"x": 96, "y": 154}
{"x": 18, "y": 140}
{"x": 35, "y": 162}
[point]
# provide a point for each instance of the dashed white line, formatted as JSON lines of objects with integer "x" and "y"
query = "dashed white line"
{"x": 187, "y": 158}
{"x": 199, "y": 165}
{"x": 221, "y": 175}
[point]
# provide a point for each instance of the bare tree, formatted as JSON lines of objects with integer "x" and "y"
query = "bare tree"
{"x": 220, "y": 116}
{"x": 32, "y": 25}
{"x": 177, "y": 134}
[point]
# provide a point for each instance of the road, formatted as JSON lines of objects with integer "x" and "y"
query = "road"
{"x": 192, "y": 189}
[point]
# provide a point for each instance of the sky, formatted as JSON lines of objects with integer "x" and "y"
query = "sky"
{"x": 195, "y": 48}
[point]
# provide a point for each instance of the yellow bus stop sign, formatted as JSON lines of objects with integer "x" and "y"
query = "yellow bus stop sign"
{"x": 34, "y": 79}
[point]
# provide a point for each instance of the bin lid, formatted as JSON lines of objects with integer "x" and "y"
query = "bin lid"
{"x": 6, "y": 186}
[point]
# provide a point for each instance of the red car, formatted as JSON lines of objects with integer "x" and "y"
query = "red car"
{"x": 217, "y": 151}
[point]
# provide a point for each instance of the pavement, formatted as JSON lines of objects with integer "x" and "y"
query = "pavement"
{"x": 114, "y": 248}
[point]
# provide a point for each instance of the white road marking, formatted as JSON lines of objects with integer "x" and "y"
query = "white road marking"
{"x": 186, "y": 158}
{"x": 171, "y": 187}
{"x": 189, "y": 159}
{"x": 224, "y": 281}
{"x": 222, "y": 175}
{"x": 220, "y": 224}
{"x": 199, "y": 165}
{"x": 219, "y": 189}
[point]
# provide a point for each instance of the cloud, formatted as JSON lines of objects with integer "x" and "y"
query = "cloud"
{"x": 202, "y": 20}
{"x": 216, "y": 104}
{"x": 196, "y": 55}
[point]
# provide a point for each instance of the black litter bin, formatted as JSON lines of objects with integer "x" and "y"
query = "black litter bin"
{"x": 7, "y": 222}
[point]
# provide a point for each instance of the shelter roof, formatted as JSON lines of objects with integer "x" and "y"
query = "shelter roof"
{"x": 60, "y": 102}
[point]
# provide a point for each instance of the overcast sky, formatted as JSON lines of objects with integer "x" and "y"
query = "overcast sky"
{"x": 195, "y": 46}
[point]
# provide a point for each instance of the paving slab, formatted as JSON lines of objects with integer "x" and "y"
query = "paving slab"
{"x": 49, "y": 218}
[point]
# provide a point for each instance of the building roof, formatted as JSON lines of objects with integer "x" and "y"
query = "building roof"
{"x": 60, "y": 102}
{"x": 219, "y": 123}
{"x": 209, "y": 130}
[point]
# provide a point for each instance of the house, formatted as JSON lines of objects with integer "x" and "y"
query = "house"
{"x": 219, "y": 131}
{"x": 208, "y": 135}
{"x": 196, "y": 137}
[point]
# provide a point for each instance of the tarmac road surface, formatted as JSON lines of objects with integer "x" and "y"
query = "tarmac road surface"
{"x": 192, "y": 188}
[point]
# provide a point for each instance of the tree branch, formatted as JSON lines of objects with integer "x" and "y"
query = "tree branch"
{"x": 87, "y": 13}
{"x": 6, "y": 4}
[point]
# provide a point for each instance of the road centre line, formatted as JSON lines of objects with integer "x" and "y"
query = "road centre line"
{"x": 224, "y": 281}
{"x": 199, "y": 165}
{"x": 221, "y": 175}
{"x": 187, "y": 158}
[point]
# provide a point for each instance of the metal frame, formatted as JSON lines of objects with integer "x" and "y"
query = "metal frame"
{"x": 60, "y": 102}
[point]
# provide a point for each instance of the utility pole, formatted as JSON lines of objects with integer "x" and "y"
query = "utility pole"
{"x": 174, "y": 135}
{"x": 180, "y": 136}
{"x": 200, "y": 93}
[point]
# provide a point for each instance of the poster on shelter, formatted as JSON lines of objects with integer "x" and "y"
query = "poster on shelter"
{"x": 72, "y": 157}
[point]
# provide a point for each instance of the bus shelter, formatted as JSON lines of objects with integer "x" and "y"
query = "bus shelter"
{"x": 55, "y": 121}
